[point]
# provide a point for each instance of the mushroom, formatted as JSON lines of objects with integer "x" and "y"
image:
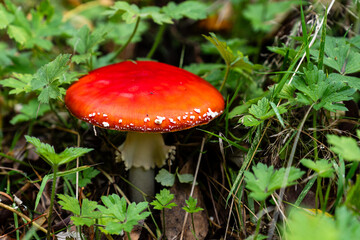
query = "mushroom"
{"x": 144, "y": 98}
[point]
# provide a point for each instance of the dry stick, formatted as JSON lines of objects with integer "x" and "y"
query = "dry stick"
{"x": 312, "y": 40}
{"x": 23, "y": 216}
{"x": 287, "y": 172}
{"x": 193, "y": 185}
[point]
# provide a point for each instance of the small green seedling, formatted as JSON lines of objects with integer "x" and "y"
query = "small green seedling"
{"x": 163, "y": 201}
{"x": 192, "y": 208}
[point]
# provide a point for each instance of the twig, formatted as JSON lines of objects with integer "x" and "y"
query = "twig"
{"x": 23, "y": 216}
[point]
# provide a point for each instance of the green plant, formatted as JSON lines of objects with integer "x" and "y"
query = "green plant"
{"x": 47, "y": 152}
{"x": 163, "y": 201}
{"x": 113, "y": 217}
{"x": 191, "y": 208}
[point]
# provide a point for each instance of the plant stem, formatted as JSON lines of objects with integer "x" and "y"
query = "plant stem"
{"x": 157, "y": 41}
{"x": 193, "y": 225}
{"x": 259, "y": 220}
{"x": 163, "y": 223}
{"x": 119, "y": 51}
{"x": 315, "y": 136}
{"x": 55, "y": 170}
{"x": 227, "y": 70}
{"x": 319, "y": 190}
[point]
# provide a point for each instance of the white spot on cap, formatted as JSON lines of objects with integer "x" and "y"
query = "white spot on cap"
{"x": 159, "y": 119}
{"x": 120, "y": 120}
{"x": 147, "y": 119}
{"x": 211, "y": 113}
{"x": 105, "y": 124}
{"x": 192, "y": 117}
{"x": 131, "y": 124}
{"x": 172, "y": 120}
{"x": 184, "y": 117}
{"x": 197, "y": 110}
{"x": 104, "y": 115}
{"x": 179, "y": 118}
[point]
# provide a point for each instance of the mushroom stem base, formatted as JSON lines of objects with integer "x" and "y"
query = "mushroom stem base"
{"x": 142, "y": 179}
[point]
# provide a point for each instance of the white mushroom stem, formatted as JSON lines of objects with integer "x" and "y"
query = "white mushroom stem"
{"x": 141, "y": 153}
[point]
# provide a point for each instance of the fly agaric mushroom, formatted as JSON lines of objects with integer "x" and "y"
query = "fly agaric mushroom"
{"x": 145, "y": 99}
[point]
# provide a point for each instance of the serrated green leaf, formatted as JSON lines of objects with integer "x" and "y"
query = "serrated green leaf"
{"x": 265, "y": 180}
{"x": 190, "y": 9}
{"x": 322, "y": 166}
{"x": 347, "y": 147}
{"x": 163, "y": 200}
{"x": 340, "y": 56}
{"x": 69, "y": 203}
{"x": 261, "y": 15}
{"x": 20, "y": 83}
{"x": 191, "y": 206}
{"x": 47, "y": 152}
{"x": 118, "y": 217}
{"x": 85, "y": 176}
{"x": 19, "y": 34}
{"x": 72, "y": 153}
{"x": 84, "y": 41}
{"x": 5, "y": 17}
{"x": 165, "y": 178}
{"x": 353, "y": 82}
{"x": 315, "y": 88}
{"x": 260, "y": 109}
{"x": 47, "y": 78}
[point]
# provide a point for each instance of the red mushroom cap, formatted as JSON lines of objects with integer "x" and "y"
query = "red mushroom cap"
{"x": 143, "y": 96}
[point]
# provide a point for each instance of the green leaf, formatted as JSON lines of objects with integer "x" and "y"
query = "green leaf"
{"x": 85, "y": 176}
{"x": 118, "y": 217}
{"x": 72, "y": 153}
{"x": 5, "y": 17}
{"x": 19, "y": 34}
{"x": 48, "y": 78}
{"x": 315, "y": 88}
{"x": 261, "y": 111}
{"x": 347, "y": 147}
{"x": 304, "y": 225}
{"x": 165, "y": 178}
{"x": 47, "y": 152}
{"x": 163, "y": 200}
{"x": 322, "y": 166}
{"x": 190, "y": 9}
{"x": 20, "y": 83}
{"x": 86, "y": 215}
{"x": 69, "y": 203}
{"x": 265, "y": 180}
{"x": 340, "y": 56}
{"x": 130, "y": 13}
{"x": 191, "y": 206}
{"x": 262, "y": 15}
{"x": 30, "y": 111}
{"x": 353, "y": 82}
{"x": 185, "y": 178}
{"x": 83, "y": 41}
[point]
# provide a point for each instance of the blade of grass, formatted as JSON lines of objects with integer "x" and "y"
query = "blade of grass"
{"x": 304, "y": 32}
{"x": 322, "y": 45}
